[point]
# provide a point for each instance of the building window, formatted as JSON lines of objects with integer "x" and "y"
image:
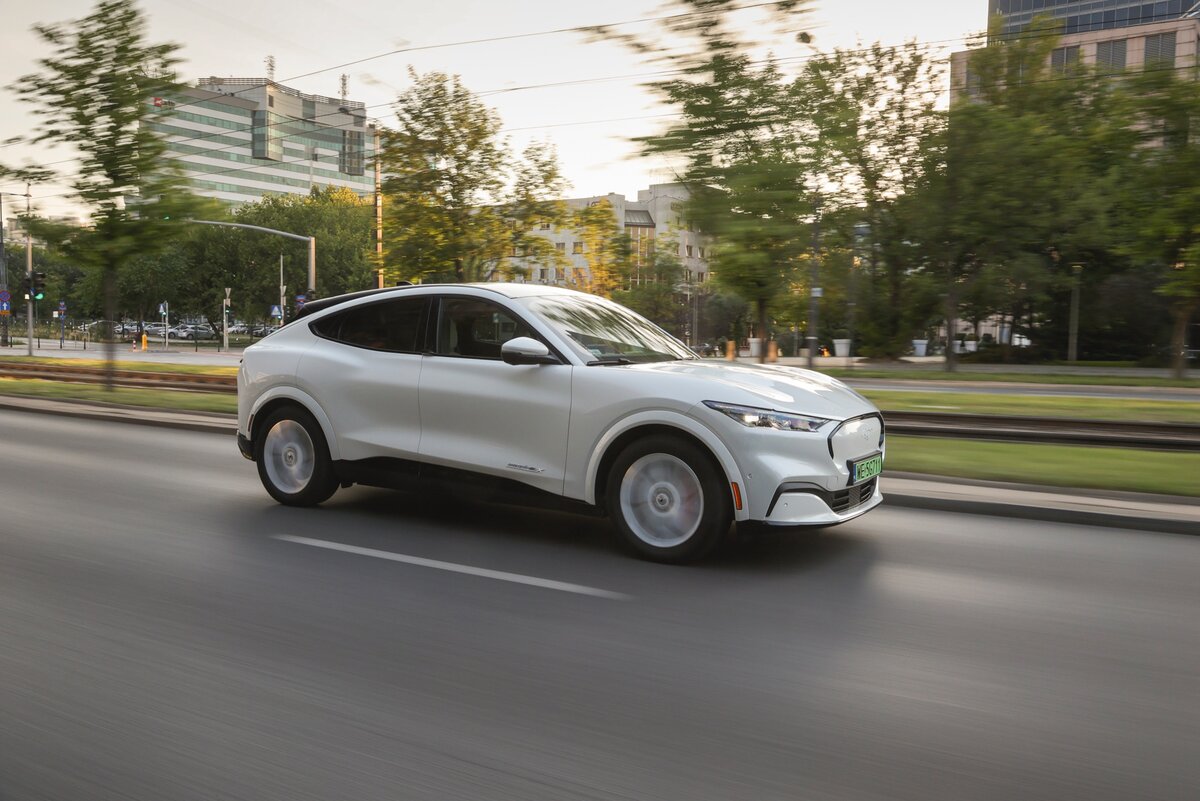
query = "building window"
{"x": 1160, "y": 50}
{"x": 561, "y": 247}
{"x": 577, "y": 247}
{"x": 702, "y": 253}
{"x": 1064, "y": 59}
{"x": 1110, "y": 56}
{"x": 700, "y": 277}
{"x": 689, "y": 251}
{"x": 545, "y": 226}
{"x": 542, "y": 274}
{"x": 271, "y": 101}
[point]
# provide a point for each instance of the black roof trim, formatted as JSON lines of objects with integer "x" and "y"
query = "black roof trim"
{"x": 327, "y": 303}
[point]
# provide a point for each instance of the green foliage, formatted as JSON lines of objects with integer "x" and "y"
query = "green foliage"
{"x": 248, "y": 261}
{"x": 458, "y": 206}
{"x": 93, "y": 94}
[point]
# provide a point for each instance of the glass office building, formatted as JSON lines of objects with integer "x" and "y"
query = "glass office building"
{"x": 1080, "y": 16}
{"x": 240, "y": 139}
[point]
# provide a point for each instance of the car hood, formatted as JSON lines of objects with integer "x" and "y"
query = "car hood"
{"x": 785, "y": 389}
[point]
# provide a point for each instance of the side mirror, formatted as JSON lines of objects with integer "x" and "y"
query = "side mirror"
{"x": 526, "y": 350}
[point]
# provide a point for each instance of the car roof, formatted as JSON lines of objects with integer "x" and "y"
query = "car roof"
{"x": 509, "y": 290}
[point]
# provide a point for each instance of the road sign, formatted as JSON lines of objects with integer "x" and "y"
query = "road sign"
{"x": 276, "y": 313}
{"x": 62, "y": 305}
{"x": 5, "y": 296}
{"x": 300, "y": 301}
{"x": 5, "y": 308}
{"x": 162, "y": 309}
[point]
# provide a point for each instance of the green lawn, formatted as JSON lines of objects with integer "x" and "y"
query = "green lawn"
{"x": 154, "y": 398}
{"x": 1055, "y": 465}
{"x": 1149, "y": 411}
{"x": 143, "y": 367}
{"x": 931, "y": 374}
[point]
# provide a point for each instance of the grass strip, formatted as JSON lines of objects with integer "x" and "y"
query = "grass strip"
{"x": 152, "y": 398}
{"x": 1122, "y": 409}
{"x": 139, "y": 366}
{"x": 1120, "y": 469}
{"x": 930, "y": 374}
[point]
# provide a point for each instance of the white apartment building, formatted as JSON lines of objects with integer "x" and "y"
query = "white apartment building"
{"x": 656, "y": 216}
{"x": 240, "y": 139}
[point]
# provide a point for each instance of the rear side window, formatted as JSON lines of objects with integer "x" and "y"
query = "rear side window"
{"x": 393, "y": 325}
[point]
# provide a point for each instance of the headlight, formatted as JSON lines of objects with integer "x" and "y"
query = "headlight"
{"x": 767, "y": 418}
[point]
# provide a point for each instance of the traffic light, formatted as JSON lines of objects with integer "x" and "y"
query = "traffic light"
{"x": 39, "y": 286}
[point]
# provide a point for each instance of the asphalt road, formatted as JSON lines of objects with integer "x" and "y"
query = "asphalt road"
{"x": 167, "y": 632}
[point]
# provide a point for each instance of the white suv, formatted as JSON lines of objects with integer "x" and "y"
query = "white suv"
{"x": 553, "y": 393}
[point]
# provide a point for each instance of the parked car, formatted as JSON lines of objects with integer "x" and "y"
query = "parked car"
{"x": 195, "y": 332}
{"x": 498, "y": 386}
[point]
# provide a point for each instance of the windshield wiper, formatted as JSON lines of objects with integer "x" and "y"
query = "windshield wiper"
{"x": 606, "y": 360}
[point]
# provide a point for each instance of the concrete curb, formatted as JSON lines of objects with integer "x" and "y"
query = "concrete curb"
{"x": 1043, "y": 514}
{"x": 1156, "y": 513}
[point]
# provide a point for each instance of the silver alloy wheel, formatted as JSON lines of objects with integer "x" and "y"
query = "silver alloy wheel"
{"x": 289, "y": 456}
{"x": 662, "y": 500}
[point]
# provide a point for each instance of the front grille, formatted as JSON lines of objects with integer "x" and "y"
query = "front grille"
{"x": 846, "y": 499}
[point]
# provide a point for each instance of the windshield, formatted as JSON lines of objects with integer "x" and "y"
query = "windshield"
{"x": 604, "y": 332}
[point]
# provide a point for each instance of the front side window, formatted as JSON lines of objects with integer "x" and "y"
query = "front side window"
{"x": 476, "y": 328}
{"x": 392, "y": 325}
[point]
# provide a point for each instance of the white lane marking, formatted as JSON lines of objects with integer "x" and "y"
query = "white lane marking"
{"x": 499, "y": 575}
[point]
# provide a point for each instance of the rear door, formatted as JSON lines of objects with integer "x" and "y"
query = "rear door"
{"x": 365, "y": 371}
{"x": 480, "y": 414}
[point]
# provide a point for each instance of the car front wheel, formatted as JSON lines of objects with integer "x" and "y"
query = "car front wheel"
{"x": 668, "y": 500}
{"x": 293, "y": 458}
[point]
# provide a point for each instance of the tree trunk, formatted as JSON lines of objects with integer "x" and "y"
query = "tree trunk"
{"x": 108, "y": 282}
{"x": 951, "y": 325}
{"x": 762, "y": 330}
{"x": 460, "y": 273}
{"x": 1182, "y": 314}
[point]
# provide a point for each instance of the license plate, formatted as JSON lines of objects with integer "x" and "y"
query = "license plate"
{"x": 867, "y": 468}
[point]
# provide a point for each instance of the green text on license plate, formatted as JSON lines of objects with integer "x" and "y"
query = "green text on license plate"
{"x": 866, "y": 468}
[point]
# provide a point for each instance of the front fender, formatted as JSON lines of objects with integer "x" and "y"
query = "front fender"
{"x": 309, "y": 403}
{"x": 671, "y": 419}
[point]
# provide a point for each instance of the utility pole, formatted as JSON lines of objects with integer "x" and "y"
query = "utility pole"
{"x": 28, "y": 276}
{"x": 3, "y": 275}
{"x": 225, "y": 320}
{"x": 814, "y": 290}
{"x": 378, "y": 212}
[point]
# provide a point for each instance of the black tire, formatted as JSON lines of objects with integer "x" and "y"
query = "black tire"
{"x": 293, "y": 458}
{"x": 668, "y": 499}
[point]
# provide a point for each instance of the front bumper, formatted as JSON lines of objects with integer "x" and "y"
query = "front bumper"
{"x": 245, "y": 446}
{"x": 806, "y": 504}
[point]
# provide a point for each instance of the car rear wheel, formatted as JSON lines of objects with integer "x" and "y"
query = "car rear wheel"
{"x": 293, "y": 458}
{"x": 668, "y": 500}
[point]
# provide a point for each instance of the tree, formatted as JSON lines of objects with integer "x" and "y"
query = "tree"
{"x": 749, "y": 165}
{"x": 1162, "y": 194}
{"x": 94, "y": 94}
{"x": 656, "y": 294}
{"x": 606, "y": 248}
{"x": 248, "y": 261}
{"x": 458, "y": 206}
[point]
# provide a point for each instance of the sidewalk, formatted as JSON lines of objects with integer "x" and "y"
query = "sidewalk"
{"x": 1159, "y": 513}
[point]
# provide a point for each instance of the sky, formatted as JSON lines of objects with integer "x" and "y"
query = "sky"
{"x": 589, "y": 117}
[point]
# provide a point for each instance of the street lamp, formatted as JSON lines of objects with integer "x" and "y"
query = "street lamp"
{"x": 1073, "y": 337}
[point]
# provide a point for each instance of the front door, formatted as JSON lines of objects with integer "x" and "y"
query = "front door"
{"x": 480, "y": 414}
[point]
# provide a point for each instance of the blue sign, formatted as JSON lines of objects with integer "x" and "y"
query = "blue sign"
{"x": 62, "y": 305}
{"x": 300, "y": 301}
{"x": 5, "y": 297}
{"x": 5, "y": 306}
{"x": 276, "y": 313}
